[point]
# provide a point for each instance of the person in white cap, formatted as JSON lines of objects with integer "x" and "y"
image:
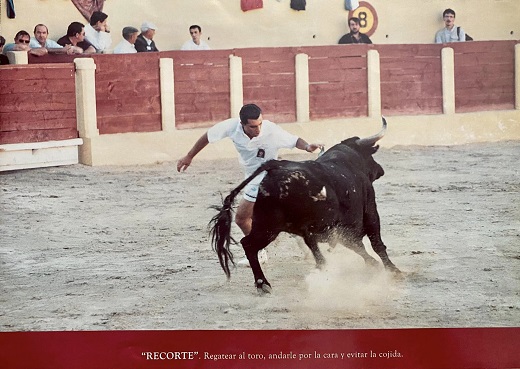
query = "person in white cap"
{"x": 145, "y": 40}
{"x": 195, "y": 43}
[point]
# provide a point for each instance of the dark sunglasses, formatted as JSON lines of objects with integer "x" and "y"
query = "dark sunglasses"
{"x": 24, "y": 41}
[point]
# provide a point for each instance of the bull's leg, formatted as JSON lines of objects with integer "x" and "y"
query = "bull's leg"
{"x": 356, "y": 244}
{"x": 380, "y": 249}
{"x": 313, "y": 245}
{"x": 373, "y": 231}
{"x": 372, "y": 228}
{"x": 253, "y": 243}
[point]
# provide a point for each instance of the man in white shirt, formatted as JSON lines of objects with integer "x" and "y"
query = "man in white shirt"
{"x": 126, "y": 46}
{"x": 450, "y": 33}
{"x": 98, "y": 32}
{"x": 256, "y": 141}
{"x": 195, "y": 43}
{"x": 41, "y": 44}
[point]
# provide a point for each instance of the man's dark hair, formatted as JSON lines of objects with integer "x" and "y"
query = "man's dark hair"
{"x": 74, "y": 27}
{"x": 448, "y": 11}
{"x": 249, "y": 111}
{"x": 41, "y": 25}
{"x": 354, "y": 19}
{"x": 97, "y": 17}
{"x": 2, "y": 41}
{"x": 21, "y": 33}
{"x": 195, "y": 26}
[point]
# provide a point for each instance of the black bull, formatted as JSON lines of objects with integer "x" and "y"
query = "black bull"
{"x": 325, "y": 200}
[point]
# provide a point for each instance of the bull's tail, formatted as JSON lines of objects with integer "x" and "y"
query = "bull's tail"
{"x": 220, "y": 224}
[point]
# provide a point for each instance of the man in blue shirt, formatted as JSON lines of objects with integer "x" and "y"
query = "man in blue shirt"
{"x": 450, "y": 33}
{"x": 41, "y": 41}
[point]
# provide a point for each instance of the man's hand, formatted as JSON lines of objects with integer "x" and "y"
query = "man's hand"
{"x": 311, "y": 147}
{"x": 40, "y": 51}
{"x": 183, "y": 163}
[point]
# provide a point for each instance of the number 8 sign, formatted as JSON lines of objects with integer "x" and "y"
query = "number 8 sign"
{"x": 367, "y": 17}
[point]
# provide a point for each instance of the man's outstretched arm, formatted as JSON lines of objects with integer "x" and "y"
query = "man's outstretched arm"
{"x": 303, "y": 145}
{"x": 185, "y": 161}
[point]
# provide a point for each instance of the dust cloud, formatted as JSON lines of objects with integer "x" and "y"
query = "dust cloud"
{"x": 346, "y": 283}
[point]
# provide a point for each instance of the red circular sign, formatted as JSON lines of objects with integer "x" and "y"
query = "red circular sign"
{"x": 367, "y": 17}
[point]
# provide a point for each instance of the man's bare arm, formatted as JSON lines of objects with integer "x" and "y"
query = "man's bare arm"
{"x": 185, "y": 161}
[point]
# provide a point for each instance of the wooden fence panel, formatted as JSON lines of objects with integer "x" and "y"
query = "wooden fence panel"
{"x": 202, "y": 90}
{"x": 269, "y": 81}
{"x": 128, "y": 93}
{"x": 37, "y": 103}
{"x": 484, "y": 76}
{"x": 338, "y": 81}
{"x": 411, "y": 79}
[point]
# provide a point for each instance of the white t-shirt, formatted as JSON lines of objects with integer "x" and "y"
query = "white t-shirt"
{"x": 190, "y": 45}
{"x": 125, "y": 47}
{"x": 100, "y": 40}
{"x": 255, "y": 151}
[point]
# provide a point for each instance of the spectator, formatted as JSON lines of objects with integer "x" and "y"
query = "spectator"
{"x": 98, "y": 32}
{"x": 195, "y": 43}
{"x": 354, "y": 36}
{"x": 126, "y": 46}
{"x": 3, "y": 59}
{"x": 21, "y": 42}
{"x": 450, "y": 33}
{"x": 46, "y": 45}
{"x": 145, "y": 40}
{"x": 76, "y": 38}
{"x": 22, "y": 39}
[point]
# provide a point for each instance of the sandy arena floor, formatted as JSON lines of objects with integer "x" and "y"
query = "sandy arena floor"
{"x": 102, "y": 248}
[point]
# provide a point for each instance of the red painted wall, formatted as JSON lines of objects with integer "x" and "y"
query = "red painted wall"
{"x": 37, "y": 103}
{"x": 484, "y": 76}
{"x": 269, "y": 81}
{"x": 128, "y": 93}
{"x": 411, "y": 79}
{"x": 201, "y": 87}
{"x": 338, "y": 83}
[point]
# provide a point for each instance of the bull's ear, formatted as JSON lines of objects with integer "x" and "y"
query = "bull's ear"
{"x": 375, "y": 148}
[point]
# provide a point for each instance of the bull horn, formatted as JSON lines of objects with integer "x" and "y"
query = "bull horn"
{"x": 370, "y": 141}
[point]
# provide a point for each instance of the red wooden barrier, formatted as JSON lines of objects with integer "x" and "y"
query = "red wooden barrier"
{"x": 337, "y": 81}
{"x": 269, "y": 81}
{"x": 484, "y": 75}
{"x": 37, "y": 103}
{"x": 411, "y": 79}
{"x": 54, "y": 58}
{"x": 128, "y": 93}
{"x": 201, "y": 87}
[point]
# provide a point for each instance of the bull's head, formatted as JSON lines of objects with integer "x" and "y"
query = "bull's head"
{"x": 367, "y": 147}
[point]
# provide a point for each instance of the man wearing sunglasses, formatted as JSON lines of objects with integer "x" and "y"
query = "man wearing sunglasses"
{"x": 21, "y": 43}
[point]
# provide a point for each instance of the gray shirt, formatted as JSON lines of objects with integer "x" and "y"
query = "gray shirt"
{"x": 445, "y": 35}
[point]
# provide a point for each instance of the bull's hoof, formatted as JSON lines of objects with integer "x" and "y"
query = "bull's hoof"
{"x": 263, "y": 287}
{"x": 394, "y": 270}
